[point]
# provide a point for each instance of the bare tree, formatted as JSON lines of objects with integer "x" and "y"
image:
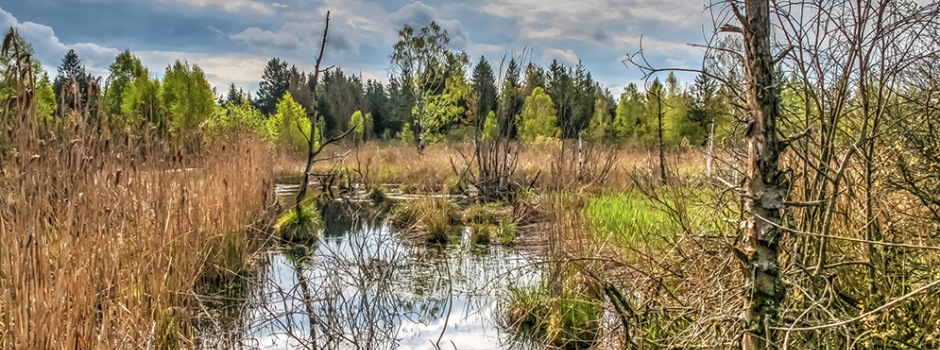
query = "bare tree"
{"x": 313, "y": 147}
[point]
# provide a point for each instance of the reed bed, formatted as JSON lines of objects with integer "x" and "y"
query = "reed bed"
{"x": 106, "y": 236}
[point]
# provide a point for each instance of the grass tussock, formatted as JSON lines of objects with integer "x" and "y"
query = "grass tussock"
{"x": 300, "y": 225}
{"x": 501, "y": 232}
{"x": 569, "y": 319}
{"x": 433, "y": 218}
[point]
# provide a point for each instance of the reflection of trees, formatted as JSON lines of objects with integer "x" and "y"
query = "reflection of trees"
{"x": 359, "y": 285}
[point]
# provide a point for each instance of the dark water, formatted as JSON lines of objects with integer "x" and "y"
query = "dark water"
{"x": 368, "y": 288}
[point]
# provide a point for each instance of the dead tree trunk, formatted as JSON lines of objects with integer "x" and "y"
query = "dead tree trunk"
{"x": 662, "y": 146}
{"x": 312, "y": 148}
{"x": 765, "y": 193}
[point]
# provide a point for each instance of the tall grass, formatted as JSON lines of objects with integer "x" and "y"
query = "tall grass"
{"x": 104, "y": 239}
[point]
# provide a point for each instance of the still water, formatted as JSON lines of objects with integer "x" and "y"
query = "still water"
{"x": 362, "y": 286}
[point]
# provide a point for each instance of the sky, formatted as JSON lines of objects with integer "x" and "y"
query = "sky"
{"x": 232, "y": 40}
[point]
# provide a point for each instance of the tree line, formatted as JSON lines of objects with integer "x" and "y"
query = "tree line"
{"x": 430, "y": 97}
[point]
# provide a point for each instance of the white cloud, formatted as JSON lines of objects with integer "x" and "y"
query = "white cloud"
{"x": 221, "y": 69}
{"x": 50, "y": 50}
{"x": 291, "y": 36}
{"x": 418, "y": 15}
{"x": 234, "y": 6}
{"x": 567, "y": 57}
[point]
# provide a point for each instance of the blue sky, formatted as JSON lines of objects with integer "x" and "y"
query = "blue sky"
{"x": 233, "y": 39}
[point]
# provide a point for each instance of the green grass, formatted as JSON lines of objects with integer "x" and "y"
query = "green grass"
{"x": 628, "y": 218}
{"x": 633, "y": 218}
{"x": 300, "y": 226}
{"x": 481, "y": 234}
{"x": 568, "y": 321}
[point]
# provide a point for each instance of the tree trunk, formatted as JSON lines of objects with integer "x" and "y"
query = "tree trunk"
{"x": 312, "y": 148}
{"x": 662, "y": 151}
{"x": 765, "y": 193}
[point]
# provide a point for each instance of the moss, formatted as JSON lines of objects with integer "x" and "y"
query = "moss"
{"x": 300, "y": 225}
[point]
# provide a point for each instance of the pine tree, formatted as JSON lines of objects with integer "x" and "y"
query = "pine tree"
{"x": 72, "y": 68}
{"x": 234, "y": 96}
{"x": 484, "y": 86}
{"x": 274, "y": 83}
{"x": 377, "y": 103}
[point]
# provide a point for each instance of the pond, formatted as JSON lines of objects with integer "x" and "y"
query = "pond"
{"x": 363, "y": 286}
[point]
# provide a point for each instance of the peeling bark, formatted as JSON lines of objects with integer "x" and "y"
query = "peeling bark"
{"x": 765, "y": 193}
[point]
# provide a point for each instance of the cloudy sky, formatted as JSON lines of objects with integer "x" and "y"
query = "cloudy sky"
{"x": 233, "y": 39}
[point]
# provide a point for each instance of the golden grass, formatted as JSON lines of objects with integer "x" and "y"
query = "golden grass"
{"x": 546, "y": 166}
{"x": 103, "y": 241}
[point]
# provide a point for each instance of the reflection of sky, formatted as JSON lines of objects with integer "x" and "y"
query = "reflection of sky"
{"x": 401, "y": 301}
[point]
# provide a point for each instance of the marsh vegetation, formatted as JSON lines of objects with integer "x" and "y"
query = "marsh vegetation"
{"x": 787, "y": 198}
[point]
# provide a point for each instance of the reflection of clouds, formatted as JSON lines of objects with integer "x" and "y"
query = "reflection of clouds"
{"x": 370, "y": 287}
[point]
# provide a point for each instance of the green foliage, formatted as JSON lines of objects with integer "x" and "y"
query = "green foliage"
{"x": 45, "y": 101}
{"x": 490, "y": 127}
{"x": 538, "y": 117}
{"x": 187, "y": 96}
{"x": 484, "y": 87}
{"x": 7, "y": 59}
{"x": 630, "y": 120}
{"x": 570, "y": 320}
{"x": 406, "y": 135}
{"x": 601, "y": 127}
{"x": 300, "y": 224}
{"x": 274, "y": 83}
{"x": 125, "y": 69}
{"x": 679, "y": 129}
{"x": 433, "y": 75}
{"x": 289, "y": 127}
{"x": 72, "y": 68}
{"x": 357, "y": 122}
{"x": 237, "y": 116}
{"x": 143, "y": 99}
